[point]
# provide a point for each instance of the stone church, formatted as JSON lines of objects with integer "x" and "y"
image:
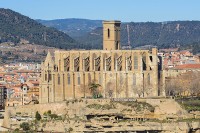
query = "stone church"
{"x": 119, "y": 73}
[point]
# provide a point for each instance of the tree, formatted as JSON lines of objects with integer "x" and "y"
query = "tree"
{"x": 109, "y": 89}
{"x": 138, "y": 89}
{"x": 94, "y": 90}
{"x": 195, "y": 87}
{"x": 38, "y": 116}
{"x": 25, "y": 126}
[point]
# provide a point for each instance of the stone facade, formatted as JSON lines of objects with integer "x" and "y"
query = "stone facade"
{"x": 121, "y": 73}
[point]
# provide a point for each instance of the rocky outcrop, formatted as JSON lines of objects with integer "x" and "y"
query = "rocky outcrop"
{"x": 104, "y": 115}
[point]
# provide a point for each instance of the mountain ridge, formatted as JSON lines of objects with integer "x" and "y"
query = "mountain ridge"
{"x": 15, "y": 27}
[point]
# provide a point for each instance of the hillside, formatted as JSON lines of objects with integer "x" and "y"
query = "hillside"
{"x": 161, "y": 34}
{"x": 15, "y": 27}
{"x": 72, "y": 26}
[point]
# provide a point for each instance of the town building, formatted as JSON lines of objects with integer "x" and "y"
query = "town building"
{"x": 120, "y": 73}
{"x": 3, "y": 96}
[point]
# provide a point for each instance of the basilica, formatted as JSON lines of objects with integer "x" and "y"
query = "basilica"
{"x": 118, "y": 73}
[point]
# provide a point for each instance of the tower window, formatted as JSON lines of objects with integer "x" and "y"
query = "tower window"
{"x": 116, "y": 46}
{"x": 108, "y": 33}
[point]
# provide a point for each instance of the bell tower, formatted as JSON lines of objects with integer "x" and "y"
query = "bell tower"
{"x": 111, "y": 35}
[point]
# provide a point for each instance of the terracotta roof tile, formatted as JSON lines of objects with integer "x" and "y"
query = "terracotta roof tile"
{"x": 188, "y": 66}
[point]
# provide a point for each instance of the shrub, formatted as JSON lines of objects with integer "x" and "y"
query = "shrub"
{"x": 18, "y": 113}
{"x": 49, "y": 112}
{"x": 38, "y": 116}
{"x": 103, "y": 107}
{"x": 36, "y": 102}
{"x": 54, "y": 116}
{"x": 16, "y": 130}
{"x": 25, "y": 126}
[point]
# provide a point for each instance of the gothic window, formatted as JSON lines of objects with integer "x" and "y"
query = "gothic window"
{"x": 108, "y": 33}
{"x": 134, "y": 79}
{"x": 45, "y": 77}
{"x": 89, "y": 78}
{"x": 118, "y": 64}
{"x": 121, "y": 80}
{"x": 59, "y": 64}
{"x": 58, "y": 79}
{"x": 135, "y": 61}
{"x": 49, "y": 76}
{"x": 86, "y": 64}
{"x": 79, "y": 79}
{"x": 149, "y": 79}
{"x": 151, "y": 58}
{"x": 66, "y": 64}
{"x": 68, "y": 79}
{"x": 108, "y": 64}
{"x": 97, "y": 62}
{"x": 100, "y": 79}
{"x": 144, "y": 62}
{"x": 129, "y": 63}
{"x": 76, "y": 64}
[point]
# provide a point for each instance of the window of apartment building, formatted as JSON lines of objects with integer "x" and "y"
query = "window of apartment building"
{"x": 58, "y": 79}
{"x": 135, "y": 61}
{"x": 68, "y": 79}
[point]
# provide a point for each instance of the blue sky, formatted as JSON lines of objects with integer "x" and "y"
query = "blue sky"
{"x": 124, "y": 10}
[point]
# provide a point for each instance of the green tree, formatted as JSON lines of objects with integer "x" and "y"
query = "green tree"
{"x": 38, "y": 116}
{"x": 94, "y": 90}
{"x": 25, "y": 126}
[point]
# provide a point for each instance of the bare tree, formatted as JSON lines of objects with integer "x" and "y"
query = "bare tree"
{"x": 138, "y": 90}
{"x": 110, "y": 89}
{"x": 195, "y": 87}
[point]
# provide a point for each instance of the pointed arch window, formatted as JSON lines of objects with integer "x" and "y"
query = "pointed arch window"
{"x": 134, "y": 79}
{"x": 135, "y": 61}
{"x": 79, "y": 79}
{"x": 89, "y": 78}
{"x": 45, "y": 77}
{"x": 59, "y": 79}
{"x": 149, "y": 79}
{"x": 68, "y": 79}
